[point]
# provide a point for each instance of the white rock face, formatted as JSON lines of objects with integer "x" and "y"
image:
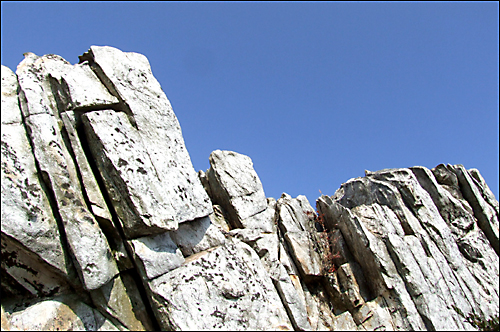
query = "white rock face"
{"x": 226, "y": 288}
{"x": 65, "y": 313}
{"x": 27, "y": 218}
{"x": 138, "y": 194}
{"x": 156, "y": 255}
{"x": 237, "y": 188}
{"x": 95, "y": 267}
{"x": 106, "y": 225}
{"x": 129, "y": 77}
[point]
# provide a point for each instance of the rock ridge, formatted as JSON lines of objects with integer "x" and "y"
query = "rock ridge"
{"x": 107, "y": 226}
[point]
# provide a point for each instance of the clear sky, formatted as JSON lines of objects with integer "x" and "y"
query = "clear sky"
{"x": 314, "y": 93}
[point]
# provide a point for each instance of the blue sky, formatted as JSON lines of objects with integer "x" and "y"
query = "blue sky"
{"x": 314, "y": 93}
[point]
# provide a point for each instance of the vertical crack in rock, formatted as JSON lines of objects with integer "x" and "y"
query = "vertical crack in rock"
{"x": 41, "y": 117}
{"x": 106, "y": 225}
{"x": 41, "y": 233}
{"x": 117, "y": 224}
{"x": 129, "y": 77}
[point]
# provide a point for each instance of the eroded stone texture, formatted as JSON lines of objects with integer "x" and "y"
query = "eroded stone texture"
{"x": 132, "y": 181}
{"x": 156, "y": 255}
{"x": 95, "y": 175}
{"x": 27, "y": 220}
{"x": 95, "y": 267}
{"x": 428, "y": 251}
{"x": 64, "y": 313}
{"x": 128, "y": 76}
{"x": 197, "y": 235}
{"x": 237, "y": 188}
{"x": 225, "y": 288}
{"x": 114, "y": 299}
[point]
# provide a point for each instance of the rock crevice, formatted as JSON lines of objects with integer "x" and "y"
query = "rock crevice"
{"x": 107, "y": 226}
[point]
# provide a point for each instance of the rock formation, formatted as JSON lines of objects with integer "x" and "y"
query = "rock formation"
{"x": 107, "y": 226}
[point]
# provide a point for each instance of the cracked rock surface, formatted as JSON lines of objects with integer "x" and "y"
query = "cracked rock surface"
{"x": 105, "y": 224}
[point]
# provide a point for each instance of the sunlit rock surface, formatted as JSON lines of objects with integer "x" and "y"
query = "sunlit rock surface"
{"x": 107, "y": 226}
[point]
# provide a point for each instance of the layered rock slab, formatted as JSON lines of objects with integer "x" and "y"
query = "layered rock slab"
{"x": 236, "y": 186}
{"x": 223, "y": 288}
{"x": 58, "y": 170}
{"x": 29, "y": 228}
{"x": 128, "y": 76}
{"x": 412, "y": 235}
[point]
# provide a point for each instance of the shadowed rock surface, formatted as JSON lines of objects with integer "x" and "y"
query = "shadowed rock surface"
{"x": 107, "y": 226}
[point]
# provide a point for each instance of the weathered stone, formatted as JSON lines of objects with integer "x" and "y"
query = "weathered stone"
{"x": 305, "y": 257}
{"x": 137, "y": 193}
{"x": 319, "y": 309}
{"x": 128, "y": 76}
{"x": 344, "y": 322}
{"x": 92, "y": 192}
{"x": 95, "y": 267}
{"x": 428, "y": 216}
{"x": 429, "y": 305}
{"x": 98, "y": 205}
{"x": 156, "y": 254}
{"x": 485, "y": 214}
{"x": 456, "y": 213}
{"x": 374, "y": 316}
{"x": 219, "y": 219}
{"x": 5, "y": 321}
{"x": 64, "y": 313}
{"x": 225, "y": 288}
{"x": 95, "y": 175}
{"x": 33, "y": 273}
{"x": 113, "y": 299}
{"x": 237, "y": 188}
{"x": 197, "y": 235}
{"x": 292, "y": 301}
{"x": 486, "y": 192}
{"x": 378, "y": 267}
{"x": 138, "y": 299}
{"x": 26, "y": 213}
{"x": 78, "y": 88}
{"x": 446, "y": 177}
{"x": 292, "y": 217}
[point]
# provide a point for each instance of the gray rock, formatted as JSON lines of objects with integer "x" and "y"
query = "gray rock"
{"x": 486, "y": 192}
{"x": 224, "y": 288}
{"x": 64, "y": 313}
{"x": 292, "y": 301}
{"x": 26, "y": 213}
{"x": 237, "y": 188}
{"x": 219, "y": 219}
{"x": 113, "y": 299}
{"x": 305, "y": 257}
{"x": 374, "y": 316}
{"x": 78, "y": 88}
{"x": 35, "y": 276}
{"x": 156, "y": 254}
{"x": 106, "y": 225}
{"x": 95, "y": 267}
{"x": 485, "y": 214}
{"x": 128, "y": 76}
{"x": 292, "y": 217}
{"x": 344, "y": 322}
{"x": 197, "y": 235}
{"x": 137, "y": 192}
{"x": 438, "y": 231}
{"x": 372, "y": 255}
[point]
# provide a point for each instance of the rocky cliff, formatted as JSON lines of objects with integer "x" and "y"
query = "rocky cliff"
{"x": 107, "y": 226}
